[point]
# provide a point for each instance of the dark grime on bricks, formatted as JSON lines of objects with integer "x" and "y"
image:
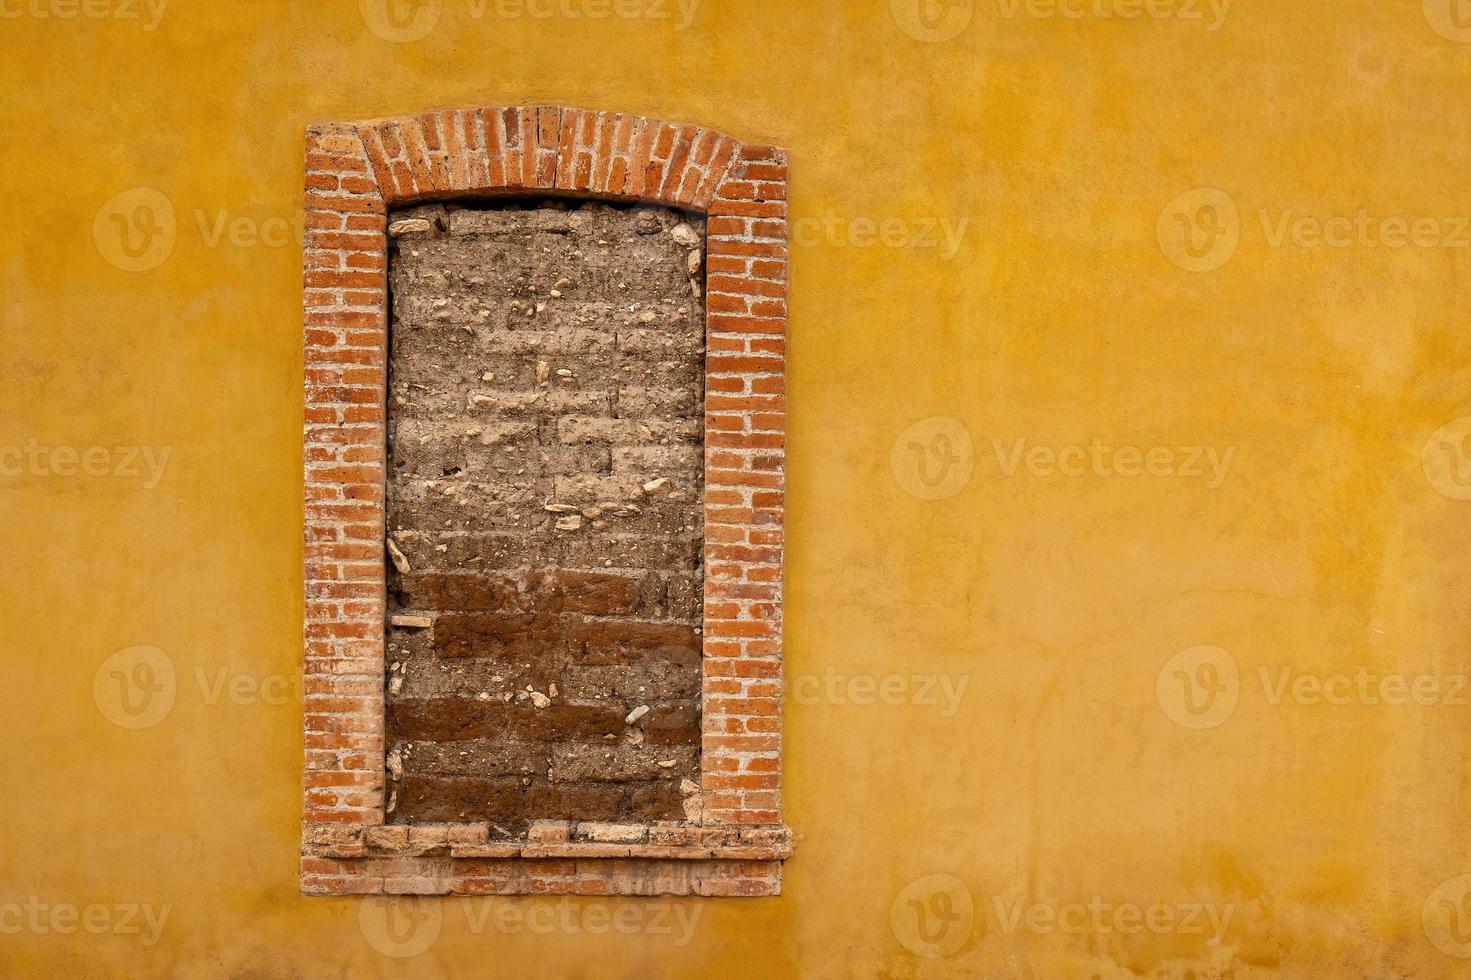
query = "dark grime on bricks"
{"x": 544, "y": 513}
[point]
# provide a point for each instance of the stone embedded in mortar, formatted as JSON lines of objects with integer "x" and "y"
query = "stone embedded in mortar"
{"x": 408, "y": 226}
{"x": 397, "y": 557}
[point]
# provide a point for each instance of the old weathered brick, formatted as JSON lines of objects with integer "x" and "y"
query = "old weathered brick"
{"x": 499, "y": 635}
{"x": 544, "y": 493}
{"x": 549, "y": 831}
{"x": 454, "y": 592}
{"x": 563, "y": 722}
{"x": 629, "y": 682}
{"x": 616, "y": 763}
{"x": 611, "y": 833}
{"x": 583, "y": 801}
{"x": 447, "y": 718}
{"x": 496, "y": 756}
{"x": 593, "y": 593}
{"x": 462, "y": 798}
{"x": 611, "y": 642}
{"x": 672, "y": 723}
{"x": 650, "y": 801}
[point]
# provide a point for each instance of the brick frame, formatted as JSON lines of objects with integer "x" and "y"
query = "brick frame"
{"x": 357, "y": 172}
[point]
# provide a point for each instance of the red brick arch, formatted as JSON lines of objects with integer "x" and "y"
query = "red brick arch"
{"x": 548, "y": 148}
{"x": 356, "y": 172}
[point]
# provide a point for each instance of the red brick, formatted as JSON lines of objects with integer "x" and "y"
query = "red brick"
{"x": 377, "y": 165}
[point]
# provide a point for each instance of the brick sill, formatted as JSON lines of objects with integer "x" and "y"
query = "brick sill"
{"x": 556, "y": 839}
{"x": 556, "y": 857}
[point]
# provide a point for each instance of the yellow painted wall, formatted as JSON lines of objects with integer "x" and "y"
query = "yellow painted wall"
{"x": 1068, "y": 776}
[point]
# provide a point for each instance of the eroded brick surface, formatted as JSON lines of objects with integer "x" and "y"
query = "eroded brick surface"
{"x": 544, "y": 494}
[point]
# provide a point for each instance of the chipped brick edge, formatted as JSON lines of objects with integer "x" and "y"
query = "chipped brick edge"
{"x": 356, "y": 172}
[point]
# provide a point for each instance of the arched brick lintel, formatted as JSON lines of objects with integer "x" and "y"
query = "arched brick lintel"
{"x": 546, "y": 148}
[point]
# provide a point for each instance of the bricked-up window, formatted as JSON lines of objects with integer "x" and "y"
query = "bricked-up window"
{"x": 477, "y": 664}
{"x": 545, "y": 479}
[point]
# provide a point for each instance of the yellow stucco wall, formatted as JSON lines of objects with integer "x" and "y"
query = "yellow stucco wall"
{"x": 1040, "y": 751}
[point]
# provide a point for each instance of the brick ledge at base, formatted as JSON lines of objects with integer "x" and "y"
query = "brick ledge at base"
{"x": 557, "y": 838}
{"x": 557, "y": 857}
